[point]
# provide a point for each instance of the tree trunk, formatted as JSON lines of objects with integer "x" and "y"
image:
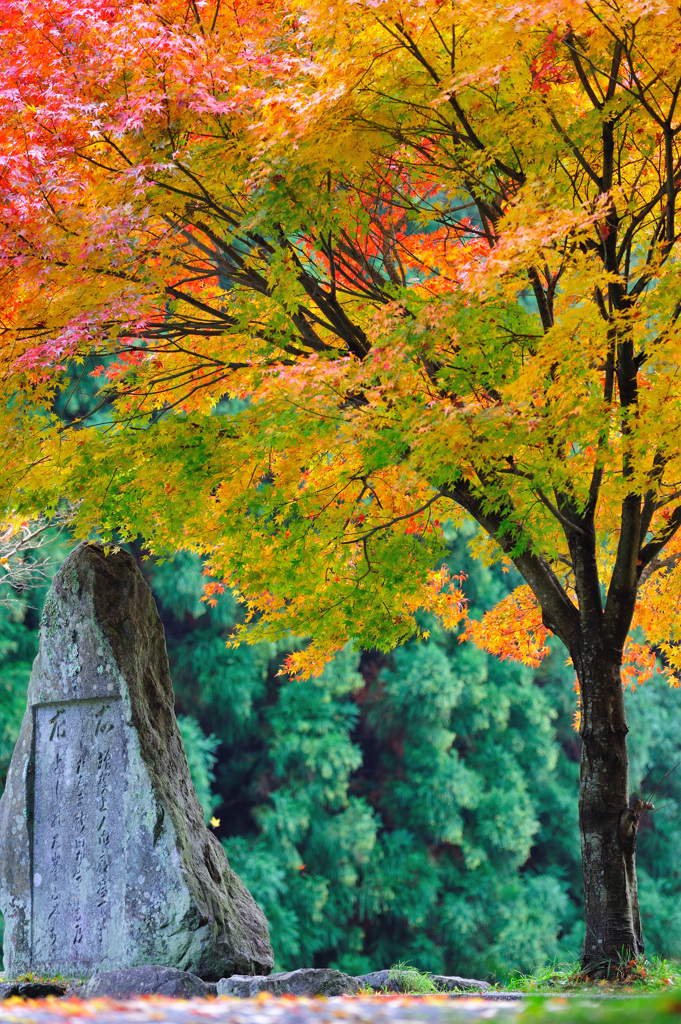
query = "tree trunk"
{"x": 608, "y": 825}
{"x": 594, "y": 636}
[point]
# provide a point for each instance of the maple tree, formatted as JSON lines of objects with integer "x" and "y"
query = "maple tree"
{"x": 345, "y": 272}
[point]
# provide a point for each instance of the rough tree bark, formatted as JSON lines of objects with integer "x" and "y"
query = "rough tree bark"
{"x": 607, "y": 823}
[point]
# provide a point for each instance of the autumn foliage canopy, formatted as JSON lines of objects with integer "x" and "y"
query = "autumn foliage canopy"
{"x": 343, "y": 273}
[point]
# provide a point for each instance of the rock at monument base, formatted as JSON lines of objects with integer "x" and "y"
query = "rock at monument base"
{"x": 328, "y": 982}
{"x": 30, "y": 989}
{"x": 145, "y": 981}
{"x": 390, "y": 981}
{"x": 105, "y": 860}
{"x": 452, "y": 983}
{"x": 306, "y": 981}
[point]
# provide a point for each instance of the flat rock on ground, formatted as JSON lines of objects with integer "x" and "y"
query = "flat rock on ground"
{"x": 452, "y": 983}
{"x": 306, "y": 981}
{"x": 397, "y": 981}
{"x": 146, "y": 981}
{"x": 30, "y": 989}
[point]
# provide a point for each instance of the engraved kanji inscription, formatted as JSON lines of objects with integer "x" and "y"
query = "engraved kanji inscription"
{"x": 80, "y": 760}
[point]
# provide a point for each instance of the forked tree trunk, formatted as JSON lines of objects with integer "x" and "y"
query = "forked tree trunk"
{"x": 608, "y": 825}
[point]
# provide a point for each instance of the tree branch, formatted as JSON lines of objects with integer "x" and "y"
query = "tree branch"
{"x": 559, "y": 614}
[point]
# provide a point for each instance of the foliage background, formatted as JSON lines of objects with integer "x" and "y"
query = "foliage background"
{"x": 419, "y": 806}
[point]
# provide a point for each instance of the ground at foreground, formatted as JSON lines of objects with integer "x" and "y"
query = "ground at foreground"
{"x": 353, "y": 1010}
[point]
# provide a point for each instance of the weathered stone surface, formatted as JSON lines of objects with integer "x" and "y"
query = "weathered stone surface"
{"x": 30, "y": 989}
{"x": 105, "y": 861}
{"x": 452, "y": 983}
{"x": 379, "y": 981}
{"x": 390, "y": 981}
{"x": 145, "y": 981}
{"x": 307, "y": 981}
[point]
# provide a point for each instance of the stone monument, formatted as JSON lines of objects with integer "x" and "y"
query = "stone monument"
{"x": 105, "y": 861}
